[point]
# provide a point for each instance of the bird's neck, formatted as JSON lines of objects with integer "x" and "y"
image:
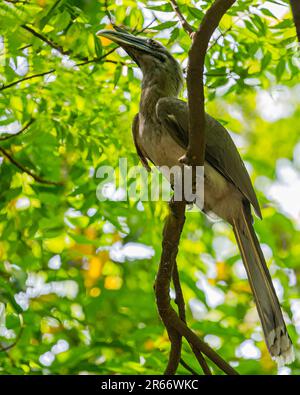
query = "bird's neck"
{"x": 153, "y": 89}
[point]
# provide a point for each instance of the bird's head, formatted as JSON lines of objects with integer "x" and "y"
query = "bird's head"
{"x": 150, "y": 55}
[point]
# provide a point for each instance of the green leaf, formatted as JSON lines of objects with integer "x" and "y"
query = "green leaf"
{"x": 163, "y": 7}
{"x": 280, "y": 68}
{"x": 267, "y": 12}
{"x": 165, "y": 25}
{"x": 118, "y": 73}
{"x": 174, "y": 35}
{"x": 98, "y": 47}
{"x": 266, "y": 60}
{"x": 195, "y": 12}
{"x": 283, "y": 24}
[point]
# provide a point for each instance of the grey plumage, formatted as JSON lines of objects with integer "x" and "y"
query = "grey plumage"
{"x": 173, "y": 114}
{"x": 160, "y": 133}
{"x": 276, "y": 335}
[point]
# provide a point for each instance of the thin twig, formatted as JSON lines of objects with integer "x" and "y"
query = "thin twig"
{"x": 17, "y": 2}
{"x": 118, "y": 62}
{"x": 186, "y": 26}
{"x": 27, "y": 171}
{"x": 201, "y": 360}
{"x": 84, "y": 60}
{"x": 179, "y": 299}
{"x": 51, "y": 43}
{"x": 193, "y": 339}
{"x": 55, "y": 46}
{"x": 222, "y": 34}
{"x": 188, "y": 368}
{"x": 30, "y": 77}
{"x": 95, "y": 60}
{"x": 4, "y": 138}
{"x": 181, "y": 308}
{"x": 107, "y": 12}
{"x": 146, "y": 27}
{"x": 4, "y": 349}
{"x": 25, "y": 47}
{"x": 60, "y": 49}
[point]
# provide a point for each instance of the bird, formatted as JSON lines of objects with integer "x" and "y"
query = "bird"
{"x": 161, "y": 136}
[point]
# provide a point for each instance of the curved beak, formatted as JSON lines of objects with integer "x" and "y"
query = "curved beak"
{"x": 131, "y": 44}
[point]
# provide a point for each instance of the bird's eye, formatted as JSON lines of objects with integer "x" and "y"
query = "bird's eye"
{"x": 153, "y": 43}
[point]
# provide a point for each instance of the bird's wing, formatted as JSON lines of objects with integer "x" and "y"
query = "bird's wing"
{"x": 220, "y": 152}
{"x": 139, "y": 150}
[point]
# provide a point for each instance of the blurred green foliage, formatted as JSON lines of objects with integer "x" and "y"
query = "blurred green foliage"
{"x": 67, "y": 305}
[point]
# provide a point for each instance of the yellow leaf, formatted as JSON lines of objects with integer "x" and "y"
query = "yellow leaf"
{"x": 149, "y": 345}
{"x": 91, "y": 43}
{"x": 91, "y": 232}
{"x": 95, "y": 292}
{"x": 113, "y": 282}
{"x": 2, "y": 251}
{"x": 241, "y": 286}
{"x": 48, "y": 29}
{"x": 36, "y": 249}
{"x": 42, "y": 3}
{"x": 226, "y": 22}
{"x": 16, "y": 103}
{"x": 50, "y": 325}
{"x": 80, "y": 103}
{"x": 116, "y": 237}
{"x": 95, "y": 267}
{"x": 55, "y": 244}
{"x": 83, "y": 249}
{"x": 222, "y": 271}
{"x": 94, "y": 272}
{"x": 212, "y": 281}
{"x": 265, "y": 359}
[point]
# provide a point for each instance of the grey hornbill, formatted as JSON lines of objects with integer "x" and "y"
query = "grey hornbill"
{"x": 160, "y": 132}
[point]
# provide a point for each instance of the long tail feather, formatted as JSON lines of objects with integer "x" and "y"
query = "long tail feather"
{"x": 269, "y": 310}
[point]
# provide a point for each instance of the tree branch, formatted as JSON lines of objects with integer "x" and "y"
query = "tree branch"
{"x": 188, "y": 368}
{"x": 146, "y": 27}
{"x": 4, "y": 138}
{"x": 171, "y": 236}
{"x": 95, "y": 60}
{"x": 196, "y": 148}
{"x": 107, "y": 12}
{"x": 176, "y": 325}
{"x": 51, "y": 43}
{"x": 17, "y": 1}
{"x": 30, "y": 77}
{"x": 186, "y": 26}
{"x": 3, "y": 87}
{"x": 27, "y": 171}
{"x": 199, "y": 344}
{"x": 295, "y": 5}
{"x": 179, "y": 300}
{"x": 61, "y": 50}
{"x": 6, "y": 348}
